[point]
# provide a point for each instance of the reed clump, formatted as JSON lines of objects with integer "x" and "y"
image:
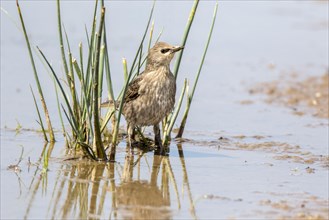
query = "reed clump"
{"x": 80, "y": 94}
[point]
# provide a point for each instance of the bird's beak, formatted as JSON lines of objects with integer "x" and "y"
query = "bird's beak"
{"x": 177, "y": 48}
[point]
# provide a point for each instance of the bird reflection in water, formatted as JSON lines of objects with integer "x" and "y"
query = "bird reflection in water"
{"x": 135, "y": 190}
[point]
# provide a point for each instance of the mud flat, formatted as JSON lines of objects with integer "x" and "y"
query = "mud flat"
{"x": 303, "y": 96}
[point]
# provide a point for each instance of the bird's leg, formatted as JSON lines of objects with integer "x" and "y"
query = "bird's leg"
{"x": 131, "y": 134}
{"x": 157, "y": 135}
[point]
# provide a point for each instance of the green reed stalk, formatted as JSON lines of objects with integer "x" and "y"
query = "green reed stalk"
{"x": 43, "y": 101}
{"x": 67, "y": 39}
{"x": 190, "y": 97}
{"x": 125, "y": 69}
{"x": 170, "y": 123}
{"x": 75, "y": 102}
{"x": 72, "y": 121}
{"x": 81, "y": 59}
{"x": 186, "y": 33}
{"x": 108, "y": 76}
{"x": 84, "y": 103}
{"x": 68, "y": 68}
{"x": 85, "y": 113}
{"x": 39, "y": 116}
{"x": 71, "y": 81}
{"x": 108, "y": 116}
{"x": 140, "y": 60}
{"x": 75, "y": 129}
{"x": 205, "y": 50}
{"x": 151, "y": 36}
{"x": 98, "y": 138}
{"x": 101, "y": 73}
{"x": 60, "y": 32}
{"x": 90, "y": 64}
{"x": 107, "y": 64}
{"x": 60, "y": 113}
{"x": 109, "y": 80}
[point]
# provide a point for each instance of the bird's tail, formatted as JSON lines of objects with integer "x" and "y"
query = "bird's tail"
{"x": 110, "y": 103}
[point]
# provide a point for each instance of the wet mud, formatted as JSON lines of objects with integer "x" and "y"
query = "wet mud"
{"x": 278, "y": 150}
{"x": 304, "y": 96}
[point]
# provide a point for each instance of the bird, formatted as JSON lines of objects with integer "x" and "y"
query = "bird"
{"x": 150, "y": 96}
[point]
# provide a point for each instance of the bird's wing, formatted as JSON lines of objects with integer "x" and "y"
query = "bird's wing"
{"x": 132, "y": 90}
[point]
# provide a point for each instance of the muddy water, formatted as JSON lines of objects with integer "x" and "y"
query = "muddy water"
{"x": 260, "y": 154}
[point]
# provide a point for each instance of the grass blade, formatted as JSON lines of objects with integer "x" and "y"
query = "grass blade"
{"x": 140, "y": 60}
{"x": 74, "y": 128}
{"x": 73, "y": 91}
{"x": 60, "y": 86}
{"x": 60, "y": 32}
{"x": 81, "y": 59}
{"x": 84, "y": 105}
{"x": 91, "y": 47}
{"x": 186, "y": 33}
{"x": 43, "y": 101}
{"x": 39, "y": 116}
{"x": 151, "y": 36}
{"x": 60, "y": 113}
{"x": 125, "y": 70}
{"x": 205, "y": 50}
{"x": 190, "y": 97}
{"x": 172, "y": 120}
{"x": 107, "y": 118}
{"x": 101, "y": 72}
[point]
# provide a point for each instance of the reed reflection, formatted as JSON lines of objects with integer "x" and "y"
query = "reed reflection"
{"x": 142, "y": 186}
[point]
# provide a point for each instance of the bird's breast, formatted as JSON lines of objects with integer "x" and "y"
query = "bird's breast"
{"x": 157, "y": 98}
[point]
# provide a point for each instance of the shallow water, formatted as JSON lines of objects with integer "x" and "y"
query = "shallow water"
{"x": 196, "y": 181}
{"x": 240, "y": 160}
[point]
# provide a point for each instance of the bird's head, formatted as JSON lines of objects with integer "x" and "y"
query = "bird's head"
{"x": 161, "y": 54}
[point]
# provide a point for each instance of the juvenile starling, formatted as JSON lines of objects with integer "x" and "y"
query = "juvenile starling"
{"x": 150, "y": 97}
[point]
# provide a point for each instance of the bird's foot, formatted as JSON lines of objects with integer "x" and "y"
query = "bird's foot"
{"x": 161, "y": 150}
{"x": 158, "y": 143}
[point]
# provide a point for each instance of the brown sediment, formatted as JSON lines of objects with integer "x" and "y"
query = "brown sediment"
{"x": 271, "y": 146}
{"x": 281, "y": 150}
{"x": 300, "y": 159}
{"x": 308, "y": 96}
{"x": 299, "y": 206}
{"x": 258, "y": 137}
{"x": 285, "y": 151}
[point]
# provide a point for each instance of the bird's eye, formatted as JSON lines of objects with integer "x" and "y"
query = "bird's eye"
{"x": 163, "y": 51}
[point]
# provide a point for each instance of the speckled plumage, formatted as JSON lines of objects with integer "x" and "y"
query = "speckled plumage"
{"x": 151, "y": 96}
